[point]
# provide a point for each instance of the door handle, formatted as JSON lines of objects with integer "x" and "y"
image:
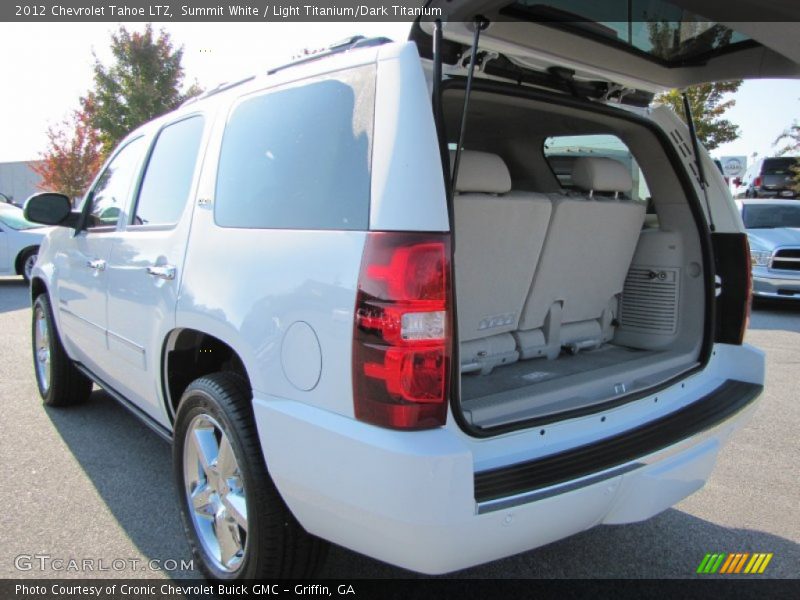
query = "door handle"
{"x": 162, "y": 272}
{"x": 97, "y": 264}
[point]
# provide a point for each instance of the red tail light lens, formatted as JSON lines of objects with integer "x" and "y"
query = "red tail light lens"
{"x": 757, "y": 182}
{"x": 401, "y": 341}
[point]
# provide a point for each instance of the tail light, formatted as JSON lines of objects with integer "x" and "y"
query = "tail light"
{"x": 402, "y": 338}
{"x": 757, "y": 182}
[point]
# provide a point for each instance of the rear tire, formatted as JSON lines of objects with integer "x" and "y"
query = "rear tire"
{"x": 236, "y": 522}
{"x": 59, "y": 381}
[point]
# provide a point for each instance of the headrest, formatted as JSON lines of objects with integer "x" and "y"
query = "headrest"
{"x": 600, "y": 174}
{"x": 481, "y": 173}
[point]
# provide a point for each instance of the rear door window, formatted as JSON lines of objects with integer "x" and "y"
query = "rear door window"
{"x": 299, "y": 157}
{"x": 561, "y": 152}
{"x": 779, "y": 166}
{"x": 168, "y": 176}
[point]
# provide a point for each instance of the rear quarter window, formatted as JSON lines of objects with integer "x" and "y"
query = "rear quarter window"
{"x": 298, "y": 157}
{"x": 561, "y": 152}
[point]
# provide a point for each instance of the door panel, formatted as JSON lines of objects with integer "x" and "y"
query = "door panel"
{"x": 144, "y": 267}
{"x": 82, "y": 297}
{"x": 141, "y": 310}
{"x": 83, "y": 278}
{"x": 4, "y": 260}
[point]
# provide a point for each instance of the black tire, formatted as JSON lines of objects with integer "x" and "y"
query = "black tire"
{"x": 22, "y": 259}
{"x": 67, "y": 385}
{"x": 276, "y": 545}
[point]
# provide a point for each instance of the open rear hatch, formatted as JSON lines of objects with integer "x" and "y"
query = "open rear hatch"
{"x": 582, "y": 274}
{"x": 644, "y": 45}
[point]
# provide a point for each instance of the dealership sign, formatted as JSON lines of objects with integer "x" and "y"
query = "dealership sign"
{"x": 733, "y": 166}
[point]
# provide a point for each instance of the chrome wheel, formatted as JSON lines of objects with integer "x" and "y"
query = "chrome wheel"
{"x": 41, "y": 344}
{"x": 215, "y": 493}
{"x": 27, "y": 266}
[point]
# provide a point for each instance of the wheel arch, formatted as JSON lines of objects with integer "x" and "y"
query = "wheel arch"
{"x": 18, "y": 259}
{"x": 190, "y": 353}
{"x": 38, "y": 287}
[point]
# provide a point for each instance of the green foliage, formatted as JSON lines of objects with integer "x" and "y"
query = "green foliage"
{"x": 708, "y": 104}
{"x": 143, "y": 82}
{"x": 790, "y": 138}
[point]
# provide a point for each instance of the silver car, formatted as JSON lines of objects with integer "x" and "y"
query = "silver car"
{"x": 773, "y": 229}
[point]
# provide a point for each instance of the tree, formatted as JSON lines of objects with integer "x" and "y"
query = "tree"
{"x": 73, "y": 156}
{"x": 708, "y": 104}
{"x": 143, "y": 82}
{"x": 790, "y": 137}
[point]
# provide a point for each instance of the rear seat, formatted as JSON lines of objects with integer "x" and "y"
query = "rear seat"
{"x": 499, "y": 236}
{"x": 589, "y": 247}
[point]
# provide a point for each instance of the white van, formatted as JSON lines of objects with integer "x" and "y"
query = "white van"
{"x": 346, "y": 342}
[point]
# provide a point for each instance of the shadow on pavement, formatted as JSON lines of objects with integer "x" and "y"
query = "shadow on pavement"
{"x": 775, "y": 315}
{"x": 131, "y": 469}
{"x": 14, "y": 294}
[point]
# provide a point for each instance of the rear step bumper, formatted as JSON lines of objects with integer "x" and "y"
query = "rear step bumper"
{"x": 409, "y": 498}
{"x": 616, "y": 455}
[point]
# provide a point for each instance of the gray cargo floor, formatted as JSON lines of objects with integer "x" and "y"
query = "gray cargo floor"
{"x": 528, "y": 373}
{"x": 540, "y": 387}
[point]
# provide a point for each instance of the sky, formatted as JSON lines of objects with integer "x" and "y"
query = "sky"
{"x": 47, "y": 67}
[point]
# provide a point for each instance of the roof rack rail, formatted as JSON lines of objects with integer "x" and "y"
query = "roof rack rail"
{"x": 220, "y": 87}
{"x": 345, "y": 45}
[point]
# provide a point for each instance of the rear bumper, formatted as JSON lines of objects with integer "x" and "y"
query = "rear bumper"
{"x": 410, "y": 498}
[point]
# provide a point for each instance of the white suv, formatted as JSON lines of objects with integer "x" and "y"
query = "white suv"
{"x": 344, "y": 342}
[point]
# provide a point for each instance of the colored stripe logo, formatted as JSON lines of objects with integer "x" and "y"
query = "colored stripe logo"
{"x": 734, "y": 563}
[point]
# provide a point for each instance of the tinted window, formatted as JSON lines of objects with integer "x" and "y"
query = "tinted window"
{"x": 299, "y": 157}
{"x": 562, "y": 151}
{"x": 113, "y": 188}
{"x": 657, "y": 29}
{"x": 168, "y": 178}
{"x": 769, "y": 216}
{"x": 779, "y": 166}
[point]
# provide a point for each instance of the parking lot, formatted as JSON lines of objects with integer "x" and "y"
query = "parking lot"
{"x": 93, "y": 483}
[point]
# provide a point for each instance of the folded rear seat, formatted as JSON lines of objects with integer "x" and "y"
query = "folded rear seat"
{"x": 590, "y": 243}
{"x": 499, "y": 236}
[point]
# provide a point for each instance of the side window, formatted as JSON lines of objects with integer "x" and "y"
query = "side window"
{"x": 561, "y": 152}
{"x": 168, "y": 176}
{"x": 113, "y": 188}
{"x": 299, "y": 157}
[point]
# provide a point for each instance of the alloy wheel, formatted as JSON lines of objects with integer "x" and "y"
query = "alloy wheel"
{"x": 215, "y": 493}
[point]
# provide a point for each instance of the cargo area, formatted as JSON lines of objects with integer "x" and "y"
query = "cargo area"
{"x": 578, "y": 265}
